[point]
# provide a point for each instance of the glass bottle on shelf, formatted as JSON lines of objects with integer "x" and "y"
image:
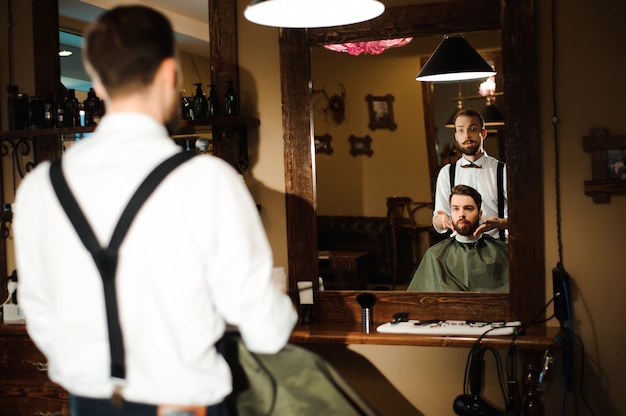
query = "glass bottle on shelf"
{"x": 71, "y": 116}
{"x": 213, "y": 109}
{"x": 48, "y": 112}
{"x": 230, "y": 101}
{"x": 59, "y": 113}
{"x": 185, "y": 106}
{"x": 199, "y": 103}
{"x": 92, "y": 107}
{"x": 12, "y": 92}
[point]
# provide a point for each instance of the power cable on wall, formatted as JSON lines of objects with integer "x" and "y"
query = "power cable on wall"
{"x": 560, "y": 276}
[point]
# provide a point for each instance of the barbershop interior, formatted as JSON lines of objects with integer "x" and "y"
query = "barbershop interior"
{"x": 339, "y": 135}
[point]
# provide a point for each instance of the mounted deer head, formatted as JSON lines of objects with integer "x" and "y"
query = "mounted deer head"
{"x": 336, "y": 104}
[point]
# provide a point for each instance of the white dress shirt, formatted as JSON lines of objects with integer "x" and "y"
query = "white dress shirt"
{"x": 484, "y": 180}
{"x": 195, "y": 258}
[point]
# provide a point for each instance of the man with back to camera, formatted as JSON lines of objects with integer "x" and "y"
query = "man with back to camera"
{"x": 477, "y": 169}
{"x": 195, "y": 258}
{"x": 469, "y": 261}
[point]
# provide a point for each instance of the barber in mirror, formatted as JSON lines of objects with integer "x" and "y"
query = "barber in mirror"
{"x": 477, "y": 169}
{"x": 179, "y": 281}
{"x": 469, "y": 261}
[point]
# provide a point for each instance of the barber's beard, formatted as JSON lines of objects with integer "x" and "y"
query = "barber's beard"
{"x": 465, "y": 227}
{"x": 470, "y": 149}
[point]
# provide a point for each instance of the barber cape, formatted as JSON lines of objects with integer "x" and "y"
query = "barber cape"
{"x": 463, "y": 264}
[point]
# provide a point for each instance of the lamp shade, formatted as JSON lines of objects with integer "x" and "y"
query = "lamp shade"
{"x": 493, "y": 117}
{"x": 312, "y": 13}
{"x": 455, "y": 60}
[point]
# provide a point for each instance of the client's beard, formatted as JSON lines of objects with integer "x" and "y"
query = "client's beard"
{"x": 466, "y": 230}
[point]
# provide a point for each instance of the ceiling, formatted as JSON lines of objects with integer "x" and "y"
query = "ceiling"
{"x": 189, "y": 19}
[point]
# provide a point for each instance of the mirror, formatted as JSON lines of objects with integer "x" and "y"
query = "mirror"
{"x": 358, "y": 248}
{"x": 191, "y": 31}
{"x": 515, "y": 20}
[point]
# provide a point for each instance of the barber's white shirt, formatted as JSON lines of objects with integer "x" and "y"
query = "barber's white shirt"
{"x": 195, "y": 258}
{"x": 484, "y": 180}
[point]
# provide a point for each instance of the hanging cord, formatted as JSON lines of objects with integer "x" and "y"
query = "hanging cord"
{"x": 499, "y": 370}
{"x": 555, "y": 124}
{"x": 582, "y": 371}
{"x": 568, "y": 353}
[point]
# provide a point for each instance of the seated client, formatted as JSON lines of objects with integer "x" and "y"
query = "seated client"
{"x": 467, "y": 262}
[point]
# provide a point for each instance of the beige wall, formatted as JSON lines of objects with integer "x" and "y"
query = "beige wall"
{"x": 591, "y": 90}
{"x": 359, "y": 185}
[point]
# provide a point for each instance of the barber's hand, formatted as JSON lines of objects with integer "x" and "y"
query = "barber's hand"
{"x": 442, "y": 220}
{"x": 491, "y": 223}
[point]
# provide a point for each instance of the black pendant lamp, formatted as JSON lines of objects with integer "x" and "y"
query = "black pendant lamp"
{"x": 312, "y": 13}
{"x": 455, "y": 60}
{"x": 493, "y": 117}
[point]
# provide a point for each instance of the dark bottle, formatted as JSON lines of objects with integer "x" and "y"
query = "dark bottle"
{"x": 22, "y": 112}
{"x": 12, "y": 105}
{"x": 72, "y": 114}
{"x": 48, "y": 112}
{"x": 60, "y": 118}
{"x": 37, "y": 111}
{"x": 230, "y": 101}
{"x": 59, "y": 114}
{"x": 92, "y": 108}
{"x": 199, "y": 103}
{"x": 185, "y": 106}
{"x": 213, "y": 108}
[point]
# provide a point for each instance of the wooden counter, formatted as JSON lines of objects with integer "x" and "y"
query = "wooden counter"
{"x": 25, "y": 388}
{"x": 531, "y": 344}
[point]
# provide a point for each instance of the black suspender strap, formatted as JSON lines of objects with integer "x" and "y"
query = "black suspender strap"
{"x": 452, "y": 173}
{"x": 501, "y": 196}
{"x": 106, "y": 257}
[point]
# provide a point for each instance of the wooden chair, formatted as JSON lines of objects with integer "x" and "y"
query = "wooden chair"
{"x": 405, "y": 236}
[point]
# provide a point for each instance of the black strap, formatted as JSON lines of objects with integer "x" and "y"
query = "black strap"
{"x": 106, "y": 257}
{"x": 501, "y": 197}
{"x": 452, "y": 174}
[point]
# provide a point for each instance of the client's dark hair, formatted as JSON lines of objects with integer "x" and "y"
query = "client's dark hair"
{"x": 467, "y": 191}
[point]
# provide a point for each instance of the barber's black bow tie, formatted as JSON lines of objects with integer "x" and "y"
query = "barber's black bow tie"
{"x": 471, "y": 165}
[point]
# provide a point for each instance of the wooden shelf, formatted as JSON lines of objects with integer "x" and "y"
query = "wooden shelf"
{"x": 186, "y": 127}
{"x": 534, "y": 338}
{"x": 46, "y": 132}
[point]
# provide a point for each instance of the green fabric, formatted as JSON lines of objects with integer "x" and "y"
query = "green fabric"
{"x": 292, "y": 382}
{"x": 451, "y": 266}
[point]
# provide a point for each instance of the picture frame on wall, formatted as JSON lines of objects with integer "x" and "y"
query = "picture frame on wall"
{"x": 361, "y": 145}
{"x": 380, "y": 112}
{"x": 322, "y": 144}
{"x": 608, "y": 165}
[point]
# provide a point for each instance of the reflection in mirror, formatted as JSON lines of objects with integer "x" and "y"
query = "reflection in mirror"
{"x": 374, "y": 213}
{"x": 190, "y": 23}
{"x": 516, "y": 21}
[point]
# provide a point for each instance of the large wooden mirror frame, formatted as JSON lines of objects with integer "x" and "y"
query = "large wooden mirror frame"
{"x": 515, "y": 19}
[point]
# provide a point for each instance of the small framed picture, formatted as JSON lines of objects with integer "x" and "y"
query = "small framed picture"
{"x": 361, "y": 145}
{"x": 322, "y": 144}
{"x": 608, "y": 165}
{"x": 381, "y": 112}
{"x": 616, "y": 164}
